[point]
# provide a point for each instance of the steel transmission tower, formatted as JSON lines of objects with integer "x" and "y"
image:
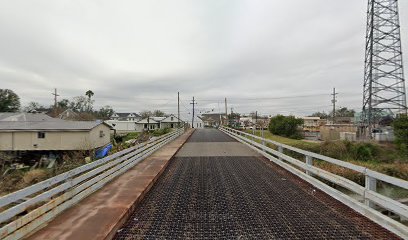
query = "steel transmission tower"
{"x": 384, "y": 84}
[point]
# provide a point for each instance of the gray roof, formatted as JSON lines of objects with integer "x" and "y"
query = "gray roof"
{"x": 145, "y": 121}
{"x": 38, "y": 122}
{"x": 123, "y": 115}
{"x": 12, "y": 117}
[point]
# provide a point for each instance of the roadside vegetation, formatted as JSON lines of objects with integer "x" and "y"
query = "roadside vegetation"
{"x": 384, "y": 158}
{"x": 22, "y": 178}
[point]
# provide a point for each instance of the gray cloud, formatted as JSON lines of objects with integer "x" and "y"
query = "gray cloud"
{"x": 137, "y": 55}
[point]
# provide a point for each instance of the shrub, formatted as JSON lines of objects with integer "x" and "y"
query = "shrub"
{"x": 334, "y": 149}
{"x": 159, "y": 132}
{"x": 35, "y": 176}
{"x": 286, "y": 126}
{"x": 401, "y": 133}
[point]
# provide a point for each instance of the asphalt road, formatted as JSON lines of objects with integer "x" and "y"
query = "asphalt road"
{"x": 217, "y": 188}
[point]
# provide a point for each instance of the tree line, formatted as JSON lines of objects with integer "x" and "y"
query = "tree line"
{"x": 83, "y": 105}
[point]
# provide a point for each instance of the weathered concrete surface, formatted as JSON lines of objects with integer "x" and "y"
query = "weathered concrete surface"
{"x": 102, "y": 213}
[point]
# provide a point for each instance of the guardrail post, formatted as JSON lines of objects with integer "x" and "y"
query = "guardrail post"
{"x": 309, "y": 163}
{"x": 280, "y": 149}
{"x": 263, "y": 140}
{"x": 370, "y": 184}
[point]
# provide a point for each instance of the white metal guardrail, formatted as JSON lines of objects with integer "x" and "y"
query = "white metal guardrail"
{"x": 368, "y": 192}
{"x": 29, "y": 208}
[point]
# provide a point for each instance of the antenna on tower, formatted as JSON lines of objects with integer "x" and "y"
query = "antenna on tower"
{"x": 384, "y": 83}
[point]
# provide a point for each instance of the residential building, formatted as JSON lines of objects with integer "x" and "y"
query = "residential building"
{"x": 330, "y": 132}
{"x": 312, "y": 124}
{"x": 147, "y": 124}
{"x": 124, "y": 122}
{"x": 68, "y": 114}
{"x": 198, "y": 122}
{"x": 153, "y": 123}
{"x": 130, "y": 117}
{"x": 170, "y": 122}
{"x": 213, "y": 119}
{"x": 36, "y": 132}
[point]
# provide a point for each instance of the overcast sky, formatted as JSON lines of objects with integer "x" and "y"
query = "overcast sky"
{"x": 266, "y": 55}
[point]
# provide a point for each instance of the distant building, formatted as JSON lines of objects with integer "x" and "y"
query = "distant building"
{"x": 147, "y": 124}
{"x": 312, "y": 124}
{"x": 331, "y": 132}
{"x": 170, "y": 122}
{"x": 35, "y": 132}
{"x": 153, "y": 123}
{"x": 198, "y": 122}
{"x": 213, "y": 119}
{"x": 130, "y": 117}
{"x": 124, "y": 122}
{"x": 68, "y": 114}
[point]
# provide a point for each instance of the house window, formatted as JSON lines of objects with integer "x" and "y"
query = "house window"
{"x": 172, "y": 125}
{"x": 145, "y": 126}
{"x": 41, "y": 135}
{"x": 172, "y": 118}
{"x": 151, "y": 126}
{"x": 101, "y": 134}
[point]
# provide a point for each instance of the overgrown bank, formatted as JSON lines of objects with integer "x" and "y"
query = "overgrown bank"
{"x": 384, "y": 158}
{"x": 24, "y": 177}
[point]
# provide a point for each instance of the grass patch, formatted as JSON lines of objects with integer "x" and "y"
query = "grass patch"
{"x": 130, "y": 136}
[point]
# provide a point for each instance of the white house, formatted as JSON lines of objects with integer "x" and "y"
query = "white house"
{"x": 198, "y": 122}
{"x": 147, "y": 123}
{"x": 124, "y": 122}
{"x": 153, "y": 123}
{"x": 126, "y": 117}
{"x": 170, "y": 122}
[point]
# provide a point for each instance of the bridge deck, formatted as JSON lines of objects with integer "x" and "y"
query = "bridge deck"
{"x": 217, "y": 188}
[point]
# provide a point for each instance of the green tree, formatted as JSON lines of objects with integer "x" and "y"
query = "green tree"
{"x": 79, "y": 104}
{"x": 145, "y": 114}
{"x": 89, "y": 93}
{"x": 33, "y": 106}
{"x": 9, "y": 101}
{"x": 158, "y": 113}
{"x": 321, "y": 115}
{"x": 90, "y": 102}
{"x": 286, "y": 126}
{"x": 401, "y": 132}
{"x": 343, "y": 112}
{"x": 64, "y": 103}
{"x": 105, "y": 112}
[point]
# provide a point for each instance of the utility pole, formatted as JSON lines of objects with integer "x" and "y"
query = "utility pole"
{"x": 334, "y": 100}
{"x": 55, "y": 101}
{"x": 192, "y": 121}
{"x": 178, "y": 108}
{"x": 226, "y": 112}
{"x": 256, "y": 118}
{"x": 55, "y": 97}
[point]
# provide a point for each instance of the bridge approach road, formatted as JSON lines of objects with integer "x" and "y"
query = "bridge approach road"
{"x": 217, "y": 188}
